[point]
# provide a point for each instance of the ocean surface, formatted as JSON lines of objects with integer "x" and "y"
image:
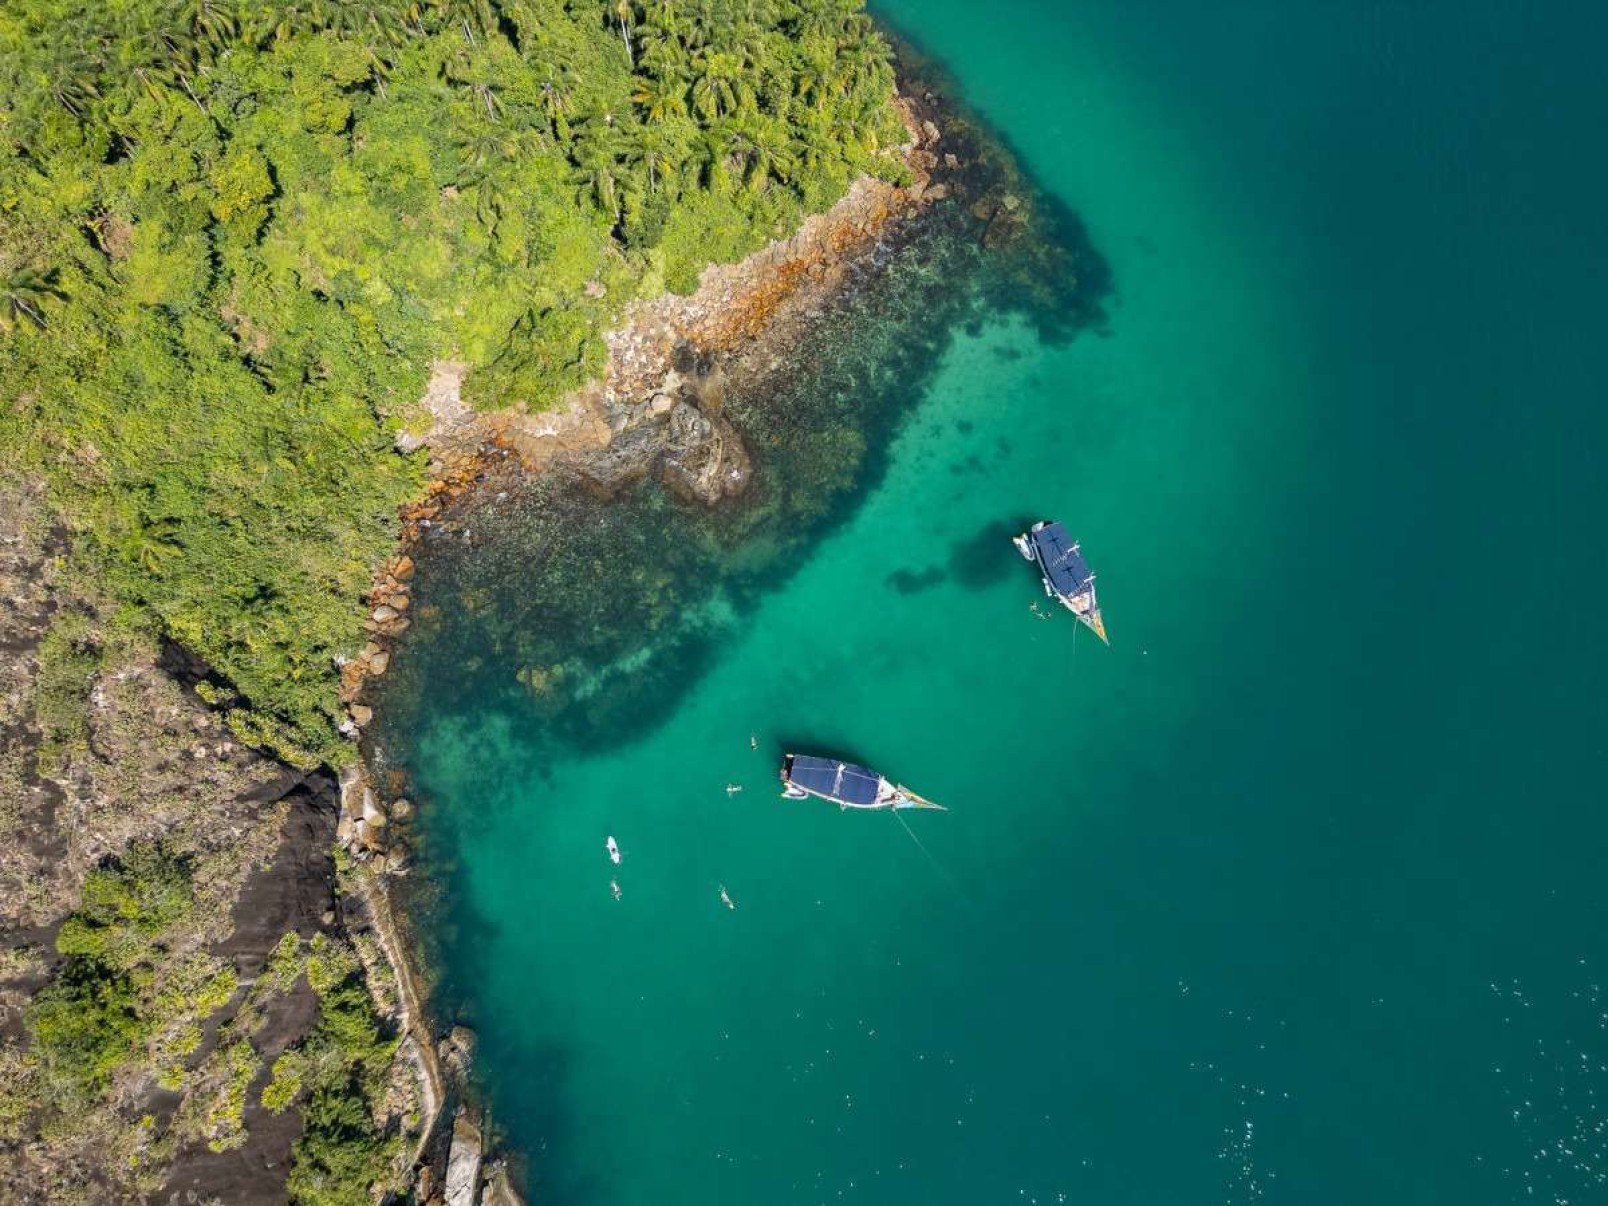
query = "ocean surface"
{"x": 1295, "y": 893}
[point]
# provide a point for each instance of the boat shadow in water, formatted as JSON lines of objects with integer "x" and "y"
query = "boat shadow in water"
{"x": 974, "y": 563}
{"x": 985, "y": 558}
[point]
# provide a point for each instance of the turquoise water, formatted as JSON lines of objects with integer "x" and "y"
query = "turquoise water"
{"x": 1294, "y": 893}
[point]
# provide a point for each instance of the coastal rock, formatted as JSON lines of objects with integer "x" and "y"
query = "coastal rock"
{"x": 457, "y": 1050}
{"x": 706, "y": 459}
{"x": 383, "y": 614}
{"x": 930, "y": 129}
{"x": 362, "y": 715}
{"x": 463, "y": 1163}
{"x": 499, "y": 1189}
{"x": 379, "y": 663}
{"x": 373, "y": 815}
{"x": 404, "y": 568}
{"x": 443, "y": 404}
{"x": 401, "y": 809}
{"x": 351, "y": 783}
{"x": 661, "y": 405}
{"x": 688, "y": 426}
{"x": 629, "y": 458}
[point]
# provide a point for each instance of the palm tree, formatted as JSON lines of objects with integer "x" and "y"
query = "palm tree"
{"x": 74, "y": 76}
{"x": 24, "y": 296}
{"x": 152, "y": 542}
{"x": 712, "y": 151}
{"x": 485, "y": 149}
{"x": 470, "y": 69}
{"x": 211, "y": 24}
{"x": 554, "y": 96}
{"x": 660, "y": 151}
{"x": 379, "y": 22}
{"x": 282, "y": 20}
{"x": 661, "y": 96}
{"x": 471, "y": 16}
{"x": 624, "y": 14}
{"x": 714, "y": 88}
{"x": 832, "y": 18}
{"x": 660, "y": 16}
{"x": 764, "y": 143}
{"x": 813, "y": 72}
{"x": 599, "y": 176}
{"x": 605, "y": 156}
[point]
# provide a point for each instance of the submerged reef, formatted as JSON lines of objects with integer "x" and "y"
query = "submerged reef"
{"x": 581, "y": 601}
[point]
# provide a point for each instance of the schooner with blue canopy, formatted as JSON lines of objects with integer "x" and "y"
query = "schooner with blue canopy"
{"x": 844, "y": 784}
{"x": 1067, "y": 576}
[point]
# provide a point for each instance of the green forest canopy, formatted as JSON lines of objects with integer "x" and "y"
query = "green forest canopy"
{"x": 233, "y": 237}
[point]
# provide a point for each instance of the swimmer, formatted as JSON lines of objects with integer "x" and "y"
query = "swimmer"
{"x": 614, "y": 886}
{"x": 733, "y": 788}
{"x": 753, "y": 742}
{"x": 725, "y": 898}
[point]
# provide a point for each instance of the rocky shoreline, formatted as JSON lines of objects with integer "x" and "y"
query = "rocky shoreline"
{"x": 658, "y": 412}
{"x": 655, "y": 410}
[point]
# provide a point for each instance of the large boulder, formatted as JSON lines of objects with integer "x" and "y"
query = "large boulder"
{"x": 499, "y": 1190}
{"x": 463, "y": 1163}
{"x": 706, "y": 459}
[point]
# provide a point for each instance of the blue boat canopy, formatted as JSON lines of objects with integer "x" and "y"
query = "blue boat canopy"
{"x": 841, "y": 781}
{"x": 1063, "y": 565}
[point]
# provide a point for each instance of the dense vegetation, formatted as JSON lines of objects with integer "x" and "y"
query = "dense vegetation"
{"x": 134, "y": 995}
{"x": 337, "y": 1075}
{"x": 233, "y": 238}
{"x": 125, "y": 1001}
{"x": 106, "y": 1003}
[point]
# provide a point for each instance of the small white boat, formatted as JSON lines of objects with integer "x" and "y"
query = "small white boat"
{"x": 613, "y": 848}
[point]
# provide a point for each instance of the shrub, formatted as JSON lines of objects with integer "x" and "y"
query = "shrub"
{"x": 84, "y": 1026}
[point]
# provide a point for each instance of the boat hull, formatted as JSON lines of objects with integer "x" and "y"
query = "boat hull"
{"x": 1065, "y": 574}
{"x": 846, "y": 785}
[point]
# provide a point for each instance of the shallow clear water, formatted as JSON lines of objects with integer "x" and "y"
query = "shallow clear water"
{"x": 1294, "y": 893}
